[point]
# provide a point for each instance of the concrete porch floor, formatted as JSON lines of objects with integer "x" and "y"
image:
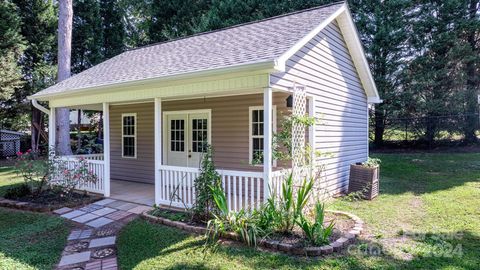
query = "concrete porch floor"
{"x": 133, "y": 192}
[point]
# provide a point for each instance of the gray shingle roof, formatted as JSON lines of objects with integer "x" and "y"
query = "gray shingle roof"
{"x": 238, "y": 45}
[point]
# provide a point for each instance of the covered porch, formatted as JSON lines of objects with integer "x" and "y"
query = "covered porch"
{"x": 153, "y": 146}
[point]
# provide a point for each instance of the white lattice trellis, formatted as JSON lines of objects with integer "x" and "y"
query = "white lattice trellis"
{"x": 298, "y": 130}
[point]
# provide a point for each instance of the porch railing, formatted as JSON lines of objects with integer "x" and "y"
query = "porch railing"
{"x": 96, "y": 164}
{"x": 242, "y": 189}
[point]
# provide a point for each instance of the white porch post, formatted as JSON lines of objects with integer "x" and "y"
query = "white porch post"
{"x": 267, "y": 140}
{"x": 311, "y": 129}
{"x": 158, "y": 147}
{"x": 106, "y": 148}
{"x": 51, "y": 130}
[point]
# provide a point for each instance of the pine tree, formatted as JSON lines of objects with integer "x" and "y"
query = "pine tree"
{"x": 113, "y": 28}
{"x": 87, "y": 38}
{"x": 11, "y": 47}
{"x": 382, "y": 27}
{"x": 39, "y": 22}
{"x": 471, "y": 28}
{"x": 65, "y": 18}
{"x": 435, "y": 75}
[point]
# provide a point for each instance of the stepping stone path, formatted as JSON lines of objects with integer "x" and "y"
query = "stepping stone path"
{"x": 91, "y": 245}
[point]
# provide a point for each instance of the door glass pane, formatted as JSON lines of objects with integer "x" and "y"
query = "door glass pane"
{"x": 177, "y": 143}
{"x": 199, "y": 135}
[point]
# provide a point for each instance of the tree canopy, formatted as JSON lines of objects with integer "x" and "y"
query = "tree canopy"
{"x": 424, "y": 55}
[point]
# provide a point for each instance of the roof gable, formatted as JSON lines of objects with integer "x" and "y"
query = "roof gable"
{"x": 255, "y": 42}
{"x": 262, "y": 44}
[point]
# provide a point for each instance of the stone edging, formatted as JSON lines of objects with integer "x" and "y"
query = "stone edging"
{"x": 336, "y": 246}
{"x": 37, "y": 207}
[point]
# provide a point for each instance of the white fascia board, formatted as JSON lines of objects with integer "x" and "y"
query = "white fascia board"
{"x": 352, "y": 39}
{"x": 374, "y": 100}
{"x": 266, "y": 66}
{"x": 280, "y": 63}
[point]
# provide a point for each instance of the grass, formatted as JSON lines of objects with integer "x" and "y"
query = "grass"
{"x": 28, "y": 240}
{"x": 427, "y": 216}
{"x": 8, "y": 178}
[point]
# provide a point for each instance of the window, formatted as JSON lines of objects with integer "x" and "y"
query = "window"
{"x": 129, "y": 135}
{"x": 177, "y": 135}
{"x": 256, "y": 133}
{"x": 199, "y": 135}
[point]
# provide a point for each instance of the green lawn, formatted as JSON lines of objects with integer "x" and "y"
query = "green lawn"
{"x": 8, "y": 178}
{"x": 428, "y": 216}
{"x": 28, "y": 240}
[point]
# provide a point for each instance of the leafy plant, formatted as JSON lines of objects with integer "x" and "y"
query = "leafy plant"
{"x": 18, "y": 191}
{"x": 291, "y": 206}
{"x": 204, "y": 205}
{"x": 67, "y": 177}
{"x": 243, "y": 223}
{"x": 282, "y": 141}
{"x": 315, "y": 231}
{"x": 372, "y": 162}
{"x": 34, "y": 169}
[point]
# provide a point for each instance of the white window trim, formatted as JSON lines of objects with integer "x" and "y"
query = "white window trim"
{"x": 134, "y": 136}
{"x": 250, "y": 136}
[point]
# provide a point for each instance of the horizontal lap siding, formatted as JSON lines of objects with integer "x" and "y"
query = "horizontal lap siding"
{"x": 325, "y": 67}
{"x": 230, "y": 126}
{"x": 140, "y": 169}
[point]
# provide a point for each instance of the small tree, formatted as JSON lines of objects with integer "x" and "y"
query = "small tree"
{"x": 209, "y": 177}
{"x": 34, "y": 170}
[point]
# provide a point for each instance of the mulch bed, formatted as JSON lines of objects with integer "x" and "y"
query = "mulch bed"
{"x": 49, "y": 201}
{"x": 296, "y": 239}
{"x": 346, "y": 229}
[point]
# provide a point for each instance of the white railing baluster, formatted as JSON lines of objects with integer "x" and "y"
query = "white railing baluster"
{"x": 242, "y": 189}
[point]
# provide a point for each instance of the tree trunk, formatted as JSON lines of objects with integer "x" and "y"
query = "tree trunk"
{"x": 35, "y": 132}
{"x": 79, "y": 130}
{"x": 65, "y": 17}
{"x": 379, "y": 125}
{"x": 472, "y": 83}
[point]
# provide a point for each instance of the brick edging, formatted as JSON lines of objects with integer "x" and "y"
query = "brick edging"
{"x": 336, "y": 246}
{"x": 37, "y": 207}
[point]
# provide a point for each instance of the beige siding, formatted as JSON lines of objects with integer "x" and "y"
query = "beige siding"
{"x": 324, "y": 65}
{"x": 230, "y": 127}
{"x": 140, "y": 169}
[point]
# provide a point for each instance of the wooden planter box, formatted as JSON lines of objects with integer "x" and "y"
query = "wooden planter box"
{"x": 364, "y": 179}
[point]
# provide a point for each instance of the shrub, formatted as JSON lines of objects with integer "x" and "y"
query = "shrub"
{"x": 18, "y": 191}
{"x": 315, "y": 231}
{"x": 243, "y": 223}
{"x": 290, "y": 207}
{"x": 40, "y": 173}
{"x": 67, "y": 178}
{"x": 372, "y": 162}
{"x": 34, "y": 169}
{"x": 204, "y": 204}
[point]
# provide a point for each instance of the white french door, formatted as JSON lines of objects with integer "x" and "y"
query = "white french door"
{"x": 187, "y": 136}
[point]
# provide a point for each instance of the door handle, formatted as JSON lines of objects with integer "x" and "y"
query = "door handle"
{"x": 189, "y": 156}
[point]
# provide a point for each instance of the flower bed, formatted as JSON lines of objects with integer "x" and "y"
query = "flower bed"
{"x": 347, "y": 229}
{"x": 49, "y": 202}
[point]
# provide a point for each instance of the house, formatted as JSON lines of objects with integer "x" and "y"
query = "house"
{"x": 9, "y": 142}
{"x": 163, "y": 102}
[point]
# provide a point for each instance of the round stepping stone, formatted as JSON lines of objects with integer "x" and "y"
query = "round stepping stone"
{"x": 76, "y": 247}
{"x": 103, "y": 253}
